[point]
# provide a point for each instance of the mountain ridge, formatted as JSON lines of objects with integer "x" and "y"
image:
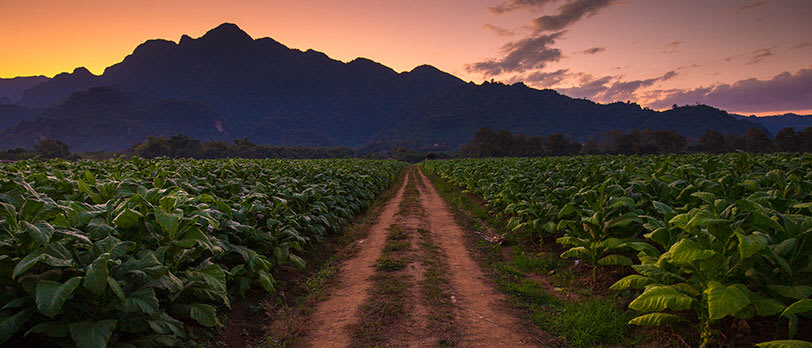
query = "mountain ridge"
{"x": 272, "y": 94}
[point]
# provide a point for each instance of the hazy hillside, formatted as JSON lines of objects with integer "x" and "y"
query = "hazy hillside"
{"x": 11, "y": 90}
{"x": 452, "y": 117}
{"x": 778, "y": 122}
{"x": 106, "y": 119}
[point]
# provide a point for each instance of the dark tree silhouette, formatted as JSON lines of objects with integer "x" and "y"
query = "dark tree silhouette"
{"x": 787, "y": 140}
{"x": 713, "y": 141}
{"x": 757, "y": 141}
{"x": 48, "y": 148}
{"x": 805, "y": 139}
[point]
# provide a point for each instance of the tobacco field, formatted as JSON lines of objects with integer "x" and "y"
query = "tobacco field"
{"x": 128, "y": 253}
{"x": 707, "y": 237}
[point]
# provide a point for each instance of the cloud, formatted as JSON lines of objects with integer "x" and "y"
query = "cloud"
{"x": 802, "y": 45}
{"x": 543, "y": 79}
{"x": 785, "y": 91}
{"x": 517, "y": 4}
{"x": 610, "y": 88}
{"x": 593, "y": 50}
{"x": 753, "y": 5}
{"x": 570, "y": 13}
{"x": 672, "y": 46}
{"x": 588, "y": 87}
{"x": 499, "y": 30}
{"x": 520, "y": 56}
{"x": 758, "y": 55}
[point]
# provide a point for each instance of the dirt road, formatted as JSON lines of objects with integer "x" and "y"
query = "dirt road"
{"x": 478, "y": 315}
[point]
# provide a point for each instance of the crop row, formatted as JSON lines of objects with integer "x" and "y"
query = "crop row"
{"x": 124, "y": 253}
{"x": 709, "y": 236}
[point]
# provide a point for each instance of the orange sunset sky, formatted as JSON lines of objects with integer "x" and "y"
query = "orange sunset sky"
{"x": 746, "y": 56}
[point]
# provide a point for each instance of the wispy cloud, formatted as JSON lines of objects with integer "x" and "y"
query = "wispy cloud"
{"x": 593, "y": 50}
{"x": 760, "y": 54}
{"x": 753, "y": 5}
{"x": 521, "y": 56}
{"x": 569, "y": 14}
{"x": 672, "y": 47}
{"x": 499, "y": 30}
{"x": 512, "y": 5}
{"x": 612, "y": 88}
{"x": 543, "y": 79}
{"x": 802, "y": 45}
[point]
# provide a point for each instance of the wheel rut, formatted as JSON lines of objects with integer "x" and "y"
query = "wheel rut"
{"x": 334, "y": 315}
{"x": 472, "y": 313}
{"x": 480, "y": 313}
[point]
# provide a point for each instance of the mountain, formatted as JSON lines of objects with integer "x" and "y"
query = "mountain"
{"x": 11, "y": 90}
{"x": 11, "y": 114}
{"x": 106, "y": 119}
{"x": 452, "y": 117}
{"x": 269, "y": 92}
{"x": 263, "y": 90}
{"x": 779, "y": 122}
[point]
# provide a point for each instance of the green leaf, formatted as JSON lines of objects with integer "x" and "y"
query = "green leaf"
{"x": 687, "y": 251}
{"x": 9, "y": 326}
{"x": 41, "y": 232}
{"x": 577, "y": 252}
{"x": 655, "y": 319}
{"x": 663, "y": 208}
{"x": 765, "y": 307}
{"x": 724, "y": 301}
{"x": 765, "y": 224}
{"x": 97, "y": 274}
{"x": 50, "y": 329}
{"x": 92, "y": 334}
{"x": 167, "y": 221}
{"x": 266, "y": 281}
{"x": 90, "y": 178}
{"x": 801, "y": 306}
{"x": 615, "y": 260}
{"x": 51, "y": 295}
{"x": 632, "y": 281}
{"x": 143, "y": 300}
{"x": 83, "y": 187}
{"x": 785, "y": 344}
{"x": 794, "y": 292}
{"x": 750, "y": 244}
{"x": 127, "y": 218}
{"x": 203, "y": 314}
{"x": 706, "y": 197}
{"x": 659, "y": 298}
{"x": 166, "y": 325}
{"x": 116, "y": 288}
{"x": 28, "y": 261}
{"x": 568, "y": 209}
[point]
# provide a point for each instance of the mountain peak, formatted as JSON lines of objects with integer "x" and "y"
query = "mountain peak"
{"x": 227, "y": 32}
{"x": 82, "y": 71}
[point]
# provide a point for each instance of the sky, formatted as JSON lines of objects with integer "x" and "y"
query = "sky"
{"x": 745, "y": 56}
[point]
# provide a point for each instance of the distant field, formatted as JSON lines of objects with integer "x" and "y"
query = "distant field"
{"x": 709, "y": 237}
{"x": 125, "y": 252}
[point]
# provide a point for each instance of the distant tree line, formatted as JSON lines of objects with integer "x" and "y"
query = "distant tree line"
{"x": 490, "y": 143}
{"x": 180, "y": 146}
{"x": 44, "y": 149}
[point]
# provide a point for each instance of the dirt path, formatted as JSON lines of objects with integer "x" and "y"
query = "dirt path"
{"x": 478, "y": 312}
{"x": 482, "y": 322}
{"x": 332, "y": 316}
